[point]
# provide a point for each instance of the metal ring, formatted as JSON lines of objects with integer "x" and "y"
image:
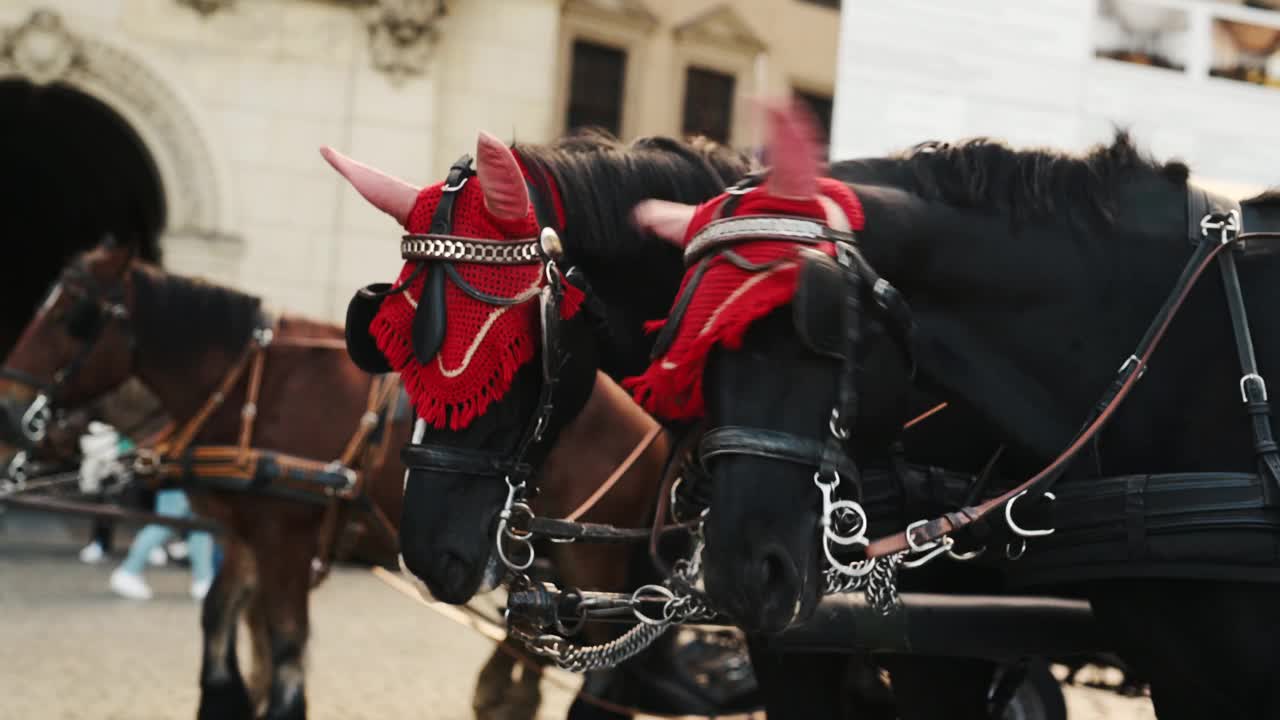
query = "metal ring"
{"x": 858, "y": 537}
{"x": 835, "y": 480}
{"x": 1008, "y": 518}
{"x": 966, "y": 556}
{"x": 502, "y": 553}
{"x": 455, "y": 188}
{"x": 666, "y": 594}
{"x": 509, "y": 514}
{"x": 1012, "y": 554}
{"x": 856, "y": 569}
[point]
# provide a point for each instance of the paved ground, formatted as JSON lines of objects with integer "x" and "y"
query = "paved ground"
{"x": 70, "y": 650}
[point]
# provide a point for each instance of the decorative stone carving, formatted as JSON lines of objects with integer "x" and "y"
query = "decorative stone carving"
{"x": 43, "y": 50}
{"x": 207, "y": 7}
{"x": 402, "y": 34}
{"x": 40, "y": 49}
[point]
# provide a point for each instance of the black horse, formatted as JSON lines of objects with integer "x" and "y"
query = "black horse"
{"x": 1030, "y": 276}
{"x": 447, "y": 529}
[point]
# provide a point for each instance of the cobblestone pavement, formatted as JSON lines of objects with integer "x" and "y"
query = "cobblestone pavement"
{"x": 70, "y": 650}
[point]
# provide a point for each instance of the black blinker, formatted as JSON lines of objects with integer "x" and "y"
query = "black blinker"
{"x": 817, "y": 305}
{"x": 361, "y": 347}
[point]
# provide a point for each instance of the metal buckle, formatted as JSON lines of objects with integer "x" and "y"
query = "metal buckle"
{"x": 337, "y": 468}
{"x": 1019, "y": 530}
{"x": 837, "y": 428}
{"x": 36, "y": 419}
{"x": 1228, "y": 226}
{"x": 1133, "y": 360}
{"x": 1244, "y": 397}
{"x": 930, "y": 550}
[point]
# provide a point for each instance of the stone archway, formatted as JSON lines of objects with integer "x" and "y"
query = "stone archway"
{"x": 94, "y": 142}
{"x": 44, "y": 51}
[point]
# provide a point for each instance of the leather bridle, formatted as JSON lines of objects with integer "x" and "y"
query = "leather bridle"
{"x": 844, "y": 521}
{"x": 442, "y": 249}
{"x": 95, "y": 308}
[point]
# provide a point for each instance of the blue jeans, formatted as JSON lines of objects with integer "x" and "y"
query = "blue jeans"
{"x": 172, "y": 503}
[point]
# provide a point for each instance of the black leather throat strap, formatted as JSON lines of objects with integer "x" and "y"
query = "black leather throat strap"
{"x": 1205, "y": 211}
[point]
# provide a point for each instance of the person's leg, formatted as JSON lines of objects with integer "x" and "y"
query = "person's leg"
{"x": 151, "y": 536}
{"x": 200, "y": 549}
{"x": 127, "y": 579}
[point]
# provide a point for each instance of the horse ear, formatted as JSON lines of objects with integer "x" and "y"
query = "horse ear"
{"x": 793, "y": 150}
{"x": 391, "y": 195}
{"x": 505, "y": 194}
{"x": 668, "y": 220}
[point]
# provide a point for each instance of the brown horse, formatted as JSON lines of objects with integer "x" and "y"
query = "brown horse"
{"x": 110, "y": 317}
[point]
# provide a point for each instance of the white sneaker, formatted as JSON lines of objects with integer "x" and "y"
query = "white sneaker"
{"x": 200, "y": 588}
{"x": 177, "y": 550}
{"x": 92, "y": 553}
{"x": 126, "y": 584}
{"x": 157, "y": 557}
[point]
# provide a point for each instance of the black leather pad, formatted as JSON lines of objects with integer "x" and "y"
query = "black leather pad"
{"x": 429, "y": 321}
{"x": 818, "y": 304}
{"x": 361, "y": 348}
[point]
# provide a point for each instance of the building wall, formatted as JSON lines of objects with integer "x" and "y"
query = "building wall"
{"x": 913, "y": 70}
{"x": 797, "y": 40}
{"x": 266, "y": 82}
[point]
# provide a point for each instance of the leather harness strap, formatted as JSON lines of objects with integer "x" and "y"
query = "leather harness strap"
{"x": 1218, "y": 215}
{"x": 338, "y": 484}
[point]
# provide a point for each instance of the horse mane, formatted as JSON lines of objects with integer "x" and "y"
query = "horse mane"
{"x": 986, "y": 174}
{"x": 1267, "y": 197}
{"x": 176, "y": 317}
{"x": 600, "y": 179}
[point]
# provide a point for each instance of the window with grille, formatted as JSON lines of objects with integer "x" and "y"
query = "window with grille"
{"x": 596, "y": 87}
{"x": 708, "y": 104}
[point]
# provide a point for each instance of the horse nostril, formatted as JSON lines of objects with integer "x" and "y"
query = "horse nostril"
{"x": 772, "y": 568}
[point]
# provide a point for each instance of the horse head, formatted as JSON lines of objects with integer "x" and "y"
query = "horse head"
{"x": 77, "y": 346}
{"x": 478, "y": 441}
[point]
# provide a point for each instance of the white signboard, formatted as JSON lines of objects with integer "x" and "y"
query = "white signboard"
{"x": 1197, "y": 80}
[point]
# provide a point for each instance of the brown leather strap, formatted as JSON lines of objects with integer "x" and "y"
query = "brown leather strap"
{"x": 249, "y": 412}
{"x": 617, "y": 474}
{"x": 193, "y": 426}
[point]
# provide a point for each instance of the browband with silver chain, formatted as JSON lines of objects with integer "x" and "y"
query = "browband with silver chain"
{"x": 431, "y": 246}
{"x": 735, "y": 230}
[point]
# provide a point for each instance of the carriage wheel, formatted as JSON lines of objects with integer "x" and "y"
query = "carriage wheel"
{"x": 1039, "y": 697}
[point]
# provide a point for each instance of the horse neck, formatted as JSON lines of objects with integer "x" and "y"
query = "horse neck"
{"x": 609, "y": 430}
{"x": 182, "y": 383}
{"x": 1025, "y": 325}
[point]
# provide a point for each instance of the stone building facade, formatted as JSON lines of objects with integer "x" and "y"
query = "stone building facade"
{"x": 227, "y": 102}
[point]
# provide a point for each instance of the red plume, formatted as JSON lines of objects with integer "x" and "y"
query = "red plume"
{"x": 793, "y": 150}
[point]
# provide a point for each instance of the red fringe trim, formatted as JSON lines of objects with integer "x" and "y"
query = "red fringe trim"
{"x": 676, "y": 393}
{"x": 394, "y": 342}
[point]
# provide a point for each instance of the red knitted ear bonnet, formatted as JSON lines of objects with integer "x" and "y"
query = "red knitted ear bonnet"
{"x": 484, "y": 345}
{"x": 727, "y": 299}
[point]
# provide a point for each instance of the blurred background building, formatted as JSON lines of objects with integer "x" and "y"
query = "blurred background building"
{"x": 191, "y": 126}
{"x": 1193, "y": 79}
